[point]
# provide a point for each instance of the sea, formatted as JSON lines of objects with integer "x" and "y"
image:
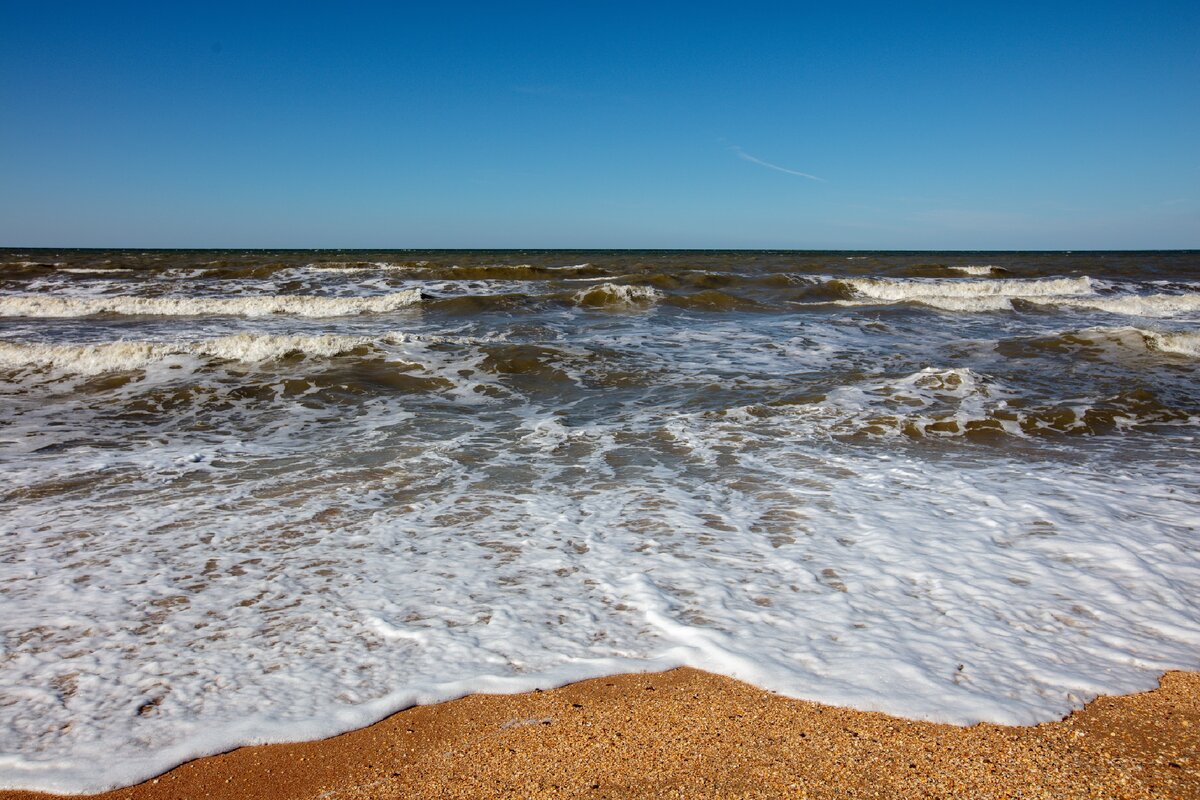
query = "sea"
{"x": 257, "y": 496}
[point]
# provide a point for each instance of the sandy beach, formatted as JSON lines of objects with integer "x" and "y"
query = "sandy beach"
{"x": 687, "y": 733}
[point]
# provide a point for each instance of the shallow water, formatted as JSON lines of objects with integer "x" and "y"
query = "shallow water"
{"x": 253, "y": 496}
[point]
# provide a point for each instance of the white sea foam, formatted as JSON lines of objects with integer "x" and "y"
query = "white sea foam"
{"x": 92, "y": 270}
{"x": 249, "y": 306}
{"x": 854, "y": 578}
{"x": 978, "y": 270}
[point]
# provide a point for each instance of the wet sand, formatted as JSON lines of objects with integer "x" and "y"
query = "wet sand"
{"x": 691, "y": 734}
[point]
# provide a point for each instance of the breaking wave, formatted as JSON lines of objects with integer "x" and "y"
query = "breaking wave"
{"x": 998, "y": 295}
{"x": 93, "y": 359}
{"x": 614, "y": 295}
{"x": 1153, "y": 305}
{"x": 1184, "y": 343}
{"x": 967, "y": 295}
{"x": 265, "y": 305}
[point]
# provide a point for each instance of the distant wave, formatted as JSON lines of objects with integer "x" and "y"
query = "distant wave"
{"x": 980, "y": 270}
{"x": 362, "y": 266}
{"x": 265, "y": 305}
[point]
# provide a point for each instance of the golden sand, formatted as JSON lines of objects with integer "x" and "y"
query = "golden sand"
{"x": 690, "y": 734}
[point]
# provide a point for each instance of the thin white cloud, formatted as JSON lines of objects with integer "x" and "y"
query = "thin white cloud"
{"x": 742, "y": 154}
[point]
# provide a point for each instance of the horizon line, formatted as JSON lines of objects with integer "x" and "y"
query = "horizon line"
{"x": 624, "y": 249}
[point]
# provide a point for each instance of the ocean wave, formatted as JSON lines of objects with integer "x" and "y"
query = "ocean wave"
{"x": 1136, "y": 305}
{"x": 125, "y": 354}
{"x": 94, "y": 359}
{"x": 425, "y": 270}
{"x": 1184, "y": 343}
{"x": 1089, "y": 342}
{"x": 998, "y": 295}
{"x": 966, "y": 291}
{"x": 254, "y": 306}
{"x": 616, "y": 295}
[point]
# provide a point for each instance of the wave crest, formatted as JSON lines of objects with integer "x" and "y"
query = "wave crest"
{"x": 967, "y": 295}
{"x": 94, "y": 359}
{"x": 616, "y": 295}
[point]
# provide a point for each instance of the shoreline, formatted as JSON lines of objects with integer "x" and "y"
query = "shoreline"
{"x": 687, "y": 733}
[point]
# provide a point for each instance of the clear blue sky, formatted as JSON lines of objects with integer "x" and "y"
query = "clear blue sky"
{"x": 930, "y": 125}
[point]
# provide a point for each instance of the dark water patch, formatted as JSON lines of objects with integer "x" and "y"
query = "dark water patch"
{"x": 1073, "y": 343}
{"x": 712, "y": 300}
{"x": 506, "y": 272}
{"x": 474, "y": 304}
{"x": 533, "y": 365}
{"x": 226, "y": 271}
{"x": 209, "y": 403}
{"x": 1135, "y": 411}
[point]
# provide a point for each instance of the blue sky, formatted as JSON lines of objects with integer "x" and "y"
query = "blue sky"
{"x": 825, "y": 125}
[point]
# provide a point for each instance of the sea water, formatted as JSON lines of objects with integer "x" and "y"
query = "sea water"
{"x": 268, "y": 496}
